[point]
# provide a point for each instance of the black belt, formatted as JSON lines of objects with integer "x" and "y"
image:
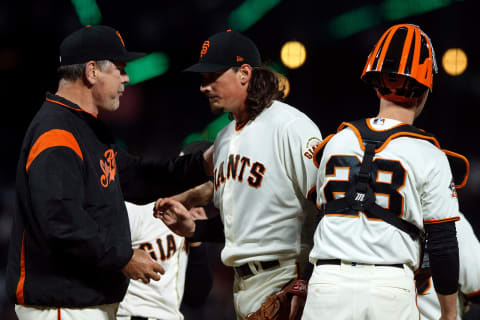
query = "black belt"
{"x": 138, "y": 318}
{"x": 339, "y": 262}
{"x": 244, "y": 269}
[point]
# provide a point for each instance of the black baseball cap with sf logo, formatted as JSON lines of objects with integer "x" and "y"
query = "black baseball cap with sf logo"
{"x": 225, "y": 50}
{"x": 95, "y": 43}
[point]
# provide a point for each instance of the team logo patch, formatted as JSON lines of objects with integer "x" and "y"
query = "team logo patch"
{"x": 109, "y": 168}
{"x": 453, "y": 189}
{"x": 379, "y": 121}
{"x": 311, "y": 146}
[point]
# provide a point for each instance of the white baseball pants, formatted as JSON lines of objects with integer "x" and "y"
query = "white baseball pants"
{"x": 250, "y": 292}
{"x": 102, "y": 312}
{"x": 346, "y": 292}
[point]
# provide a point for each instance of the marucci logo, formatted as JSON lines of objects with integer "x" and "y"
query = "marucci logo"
{"x": 109, "y": 168}
{"x": 205, "y": 47}
{"x": 360, "y": 197}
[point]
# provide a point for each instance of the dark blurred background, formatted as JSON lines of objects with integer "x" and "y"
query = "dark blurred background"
{"x": 157, "y": 115}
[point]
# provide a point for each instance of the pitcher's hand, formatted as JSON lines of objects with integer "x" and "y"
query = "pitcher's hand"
{"x": 175, "y": 216}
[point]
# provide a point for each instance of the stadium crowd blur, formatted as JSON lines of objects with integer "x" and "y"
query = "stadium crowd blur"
{"x": 156, "y": 115}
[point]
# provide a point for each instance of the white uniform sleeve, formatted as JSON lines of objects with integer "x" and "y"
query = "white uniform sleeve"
{"x": 439, "y": 197}
{"x": 469, "y": 250}
{"x": 135, "y": 213}
{"x": 300, "y": 138}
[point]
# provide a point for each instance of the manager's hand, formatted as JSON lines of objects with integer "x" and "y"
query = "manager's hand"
{"x": 141, "y": 266}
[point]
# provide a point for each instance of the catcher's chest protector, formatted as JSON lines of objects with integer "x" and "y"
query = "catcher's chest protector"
{"x": 380, "y": 139}
{"x": 360, "y": 196}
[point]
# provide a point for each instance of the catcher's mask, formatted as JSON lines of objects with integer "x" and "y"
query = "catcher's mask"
{"x": 401, "y": 65}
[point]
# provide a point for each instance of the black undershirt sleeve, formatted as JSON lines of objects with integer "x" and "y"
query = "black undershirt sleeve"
{"x": 442, "y": 247}
{"x": 146, "y": 180}
{"x": 198, "y": 277}
{"x": 208, "y": 230}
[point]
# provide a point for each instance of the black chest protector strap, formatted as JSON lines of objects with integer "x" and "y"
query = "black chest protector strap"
{"x": 360, "y": 196}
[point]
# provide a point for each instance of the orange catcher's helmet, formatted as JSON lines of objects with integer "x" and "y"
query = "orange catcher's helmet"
{"x": 402, "y": 64}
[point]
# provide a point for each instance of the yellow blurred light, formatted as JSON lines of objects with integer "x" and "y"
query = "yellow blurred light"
{"x": 293, "y": 54}
{"x": 283, "y": 84}
{"x": 454, "y": 61}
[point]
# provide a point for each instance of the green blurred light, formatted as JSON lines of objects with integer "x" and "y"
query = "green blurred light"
{"x": 210, "y": 132}
{"x": 87, "y": 11}
{"x": 147, "y": 67}
{"x": 354, "y": 21}
{"x": 214, "y": 127}
{"x": 399, "y": 9}
{"x": 249, "y": 12}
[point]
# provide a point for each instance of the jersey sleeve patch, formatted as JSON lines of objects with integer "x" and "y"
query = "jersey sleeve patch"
{"x": 310, "y": 147}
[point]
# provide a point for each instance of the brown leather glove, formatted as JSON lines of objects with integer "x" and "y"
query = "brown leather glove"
{"x": 277, "y": 306}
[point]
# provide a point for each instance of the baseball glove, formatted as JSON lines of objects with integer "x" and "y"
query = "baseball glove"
{"x": 277, "y": 306}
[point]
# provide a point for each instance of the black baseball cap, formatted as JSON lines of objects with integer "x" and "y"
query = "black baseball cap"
{"x": 95, "y": 43}
{"x": 224, "y": 50}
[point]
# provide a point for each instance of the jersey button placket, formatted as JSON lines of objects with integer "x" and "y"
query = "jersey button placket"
{"x": 228, "y": 191}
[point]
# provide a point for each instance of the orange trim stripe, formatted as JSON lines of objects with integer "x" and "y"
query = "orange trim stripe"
{"x": 320, "y": 147}
{"x": 433, "y": 221}
{"x": 381, "y": 59}
{"x": 416, "y": 56}
{"x": 21, "y": 280}
{"x": 59, "y": 314}
{"x": 471, "y": 294}
{"x": 393, "y": 136}
{"x": 240, "y": 126}
{"x": 411, "y": 134}
{"x": 467, "y": 166}
{"x": 357, "y": 133}
{"x": 50, "y": 139}
{"x": 371, "y": 58}
{"x": 65, "y": 105}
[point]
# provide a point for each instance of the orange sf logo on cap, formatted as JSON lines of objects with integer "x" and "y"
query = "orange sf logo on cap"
{"x": 121, "y": 39}
{"x": 205, "y": 47}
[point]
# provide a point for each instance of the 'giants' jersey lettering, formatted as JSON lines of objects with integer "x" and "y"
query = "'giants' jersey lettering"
{"x": 235, "y": 169}
{"x": 166, "y": 249}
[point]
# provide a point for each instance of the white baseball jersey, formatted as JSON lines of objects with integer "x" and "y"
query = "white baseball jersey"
{"x": 263, "y": 173}
{"x": 412, "y": 176}
{"x": 469, "y": 278}
{"x": 157, "y": 299}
